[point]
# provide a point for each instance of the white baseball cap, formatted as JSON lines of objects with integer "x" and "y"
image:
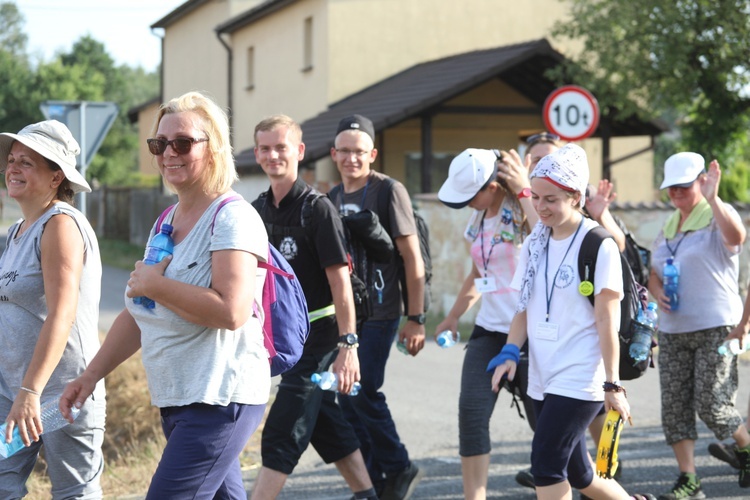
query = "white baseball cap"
{"x": 682, "y": 169}
{"x": 52, "y": 140}
{"x": 468, "y": 174}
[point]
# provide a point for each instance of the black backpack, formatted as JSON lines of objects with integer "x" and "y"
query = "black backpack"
{"x": 634, "y": 295}
{"x": 423, "y": 234}
{"x": 362, "y": 306}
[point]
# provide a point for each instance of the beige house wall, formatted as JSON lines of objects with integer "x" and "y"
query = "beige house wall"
{"x": 195, "y": 59}
{"x": 372, "y": 39}
{"x": 146, "y": 121}
{"x": 281, "y": 82}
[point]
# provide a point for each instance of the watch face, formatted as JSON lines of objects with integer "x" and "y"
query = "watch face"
{"x": 419, "y": 318}
{"x": 350, "y": 338}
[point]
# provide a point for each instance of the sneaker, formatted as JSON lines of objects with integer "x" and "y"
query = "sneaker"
{"x": 725, "y": 453}
{"x": 402, "y": 485}
{"x": 525, "y": 478}
{"x": 743, "y": 457}
{"x": 687, "y": 486}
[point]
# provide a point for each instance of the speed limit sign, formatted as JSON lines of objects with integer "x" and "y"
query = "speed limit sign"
{"x": 571, "y": 112}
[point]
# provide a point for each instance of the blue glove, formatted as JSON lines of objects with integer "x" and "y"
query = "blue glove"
{"x": 508, "y": 352}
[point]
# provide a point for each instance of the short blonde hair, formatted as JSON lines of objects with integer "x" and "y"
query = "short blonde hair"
{"x": 223, "y": 173}
{"x": 275, "y": 121}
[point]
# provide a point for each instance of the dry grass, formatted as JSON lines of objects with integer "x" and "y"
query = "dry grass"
{"x": 133, "y": 440}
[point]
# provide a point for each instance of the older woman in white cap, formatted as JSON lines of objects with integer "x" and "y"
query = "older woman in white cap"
{"x": 49, "y": 310}
{"x": 499, "y": 193}
{"x": 573, "y": 348}
{"x": 703, "y": 237}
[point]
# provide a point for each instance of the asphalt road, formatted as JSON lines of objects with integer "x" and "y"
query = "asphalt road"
{"x": 422, "y": 393}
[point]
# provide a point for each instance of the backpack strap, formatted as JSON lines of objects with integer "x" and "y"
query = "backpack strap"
{"x": 588, "y": 253}
{"x": 161, "y": 219}
{"x": 384, "y": 200}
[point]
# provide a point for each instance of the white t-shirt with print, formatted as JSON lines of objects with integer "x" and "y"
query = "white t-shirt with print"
{"x": 564, "y": 353}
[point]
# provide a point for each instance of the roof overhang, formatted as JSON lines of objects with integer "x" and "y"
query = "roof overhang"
{"x": 423, "y": 89}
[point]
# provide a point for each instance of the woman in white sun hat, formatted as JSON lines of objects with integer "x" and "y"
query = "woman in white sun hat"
{"x": 49, "y": 310}
{"x": 498, "y": 192}
{"x": 704, "y": 237}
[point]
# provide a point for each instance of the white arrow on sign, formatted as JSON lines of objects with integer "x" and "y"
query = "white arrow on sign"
{"x": 571, "y": 112}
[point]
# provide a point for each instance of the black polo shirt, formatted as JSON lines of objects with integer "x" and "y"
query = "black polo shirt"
{"x": 309, "y": 249}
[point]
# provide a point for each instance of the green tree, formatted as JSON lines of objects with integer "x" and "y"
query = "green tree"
{"x": 12, "y": 37}
{"x": 688, "y": 57}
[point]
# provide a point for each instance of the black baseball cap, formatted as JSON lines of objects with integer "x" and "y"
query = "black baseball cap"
{"x": 357, "y": 122}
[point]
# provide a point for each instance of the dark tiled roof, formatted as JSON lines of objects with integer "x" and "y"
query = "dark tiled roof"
{"x": 241, "y": 20}
{"x": 425, "y": 87}
{"x": 176, "y": 14}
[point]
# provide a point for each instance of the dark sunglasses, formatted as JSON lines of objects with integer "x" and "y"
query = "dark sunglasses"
{"x": 542, "y": 137}
{"x": 181, "y": 145}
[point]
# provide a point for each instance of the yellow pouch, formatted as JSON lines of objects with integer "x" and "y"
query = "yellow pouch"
{"x": 606, "y": 454}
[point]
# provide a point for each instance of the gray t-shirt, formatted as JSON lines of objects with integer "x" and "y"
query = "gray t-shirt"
{"x": 187, "y": 363}
{"x": 387, "y": 303}
{"x": 708, "y": 289}
{"x": 23, "y": 306}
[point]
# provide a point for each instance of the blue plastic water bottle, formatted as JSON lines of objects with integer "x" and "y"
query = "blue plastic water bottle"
{"x": 51, "y": 419}
{"x": 161, "y": 246}
{"x": 640, "y": 345}
{"x": 445, "y": 339}
{"x": 328, "y": 381}
{"x": 671, "y": 284}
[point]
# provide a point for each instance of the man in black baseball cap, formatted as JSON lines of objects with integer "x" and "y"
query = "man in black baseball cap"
{"x": 393, "y": 474}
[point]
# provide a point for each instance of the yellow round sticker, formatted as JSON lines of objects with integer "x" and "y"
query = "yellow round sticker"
{"x": 586, "y": 288}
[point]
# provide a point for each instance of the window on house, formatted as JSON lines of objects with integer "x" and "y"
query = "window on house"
{"x": 441, "y": 162}
{"x": 250, "y": 83}
{"x": 307, "y": 62}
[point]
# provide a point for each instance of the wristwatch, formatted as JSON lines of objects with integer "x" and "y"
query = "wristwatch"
{"x": 349, "y": 341}
{"x": 417, "y": 318}
{"x": 524, "y": 193}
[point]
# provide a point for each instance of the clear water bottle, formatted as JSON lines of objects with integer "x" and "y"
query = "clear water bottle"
{"x": 671, "y": 284}
{"x": 445, "y": 339}
{"x": 401, "y": 346}
{"x": 51, "y": 418}
{"x": 328, "y": 381}
{"x": 732, "y": 347}
{"x": 640, "y": 345}
{"x": 161, "y": 246}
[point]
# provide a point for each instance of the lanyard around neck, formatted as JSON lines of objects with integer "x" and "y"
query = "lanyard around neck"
{"x": 673, "y": 252}
{"x": 494, "y": 241}
{"x": 548, "y": 294}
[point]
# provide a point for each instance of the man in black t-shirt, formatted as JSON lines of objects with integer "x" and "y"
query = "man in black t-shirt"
{"x": 307, "y": 230}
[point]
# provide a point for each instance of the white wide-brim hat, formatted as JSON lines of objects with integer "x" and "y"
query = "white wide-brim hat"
{"x": 52, "y": 140}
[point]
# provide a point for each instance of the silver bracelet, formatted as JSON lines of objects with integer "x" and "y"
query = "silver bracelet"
{"x": 30, "y": 391}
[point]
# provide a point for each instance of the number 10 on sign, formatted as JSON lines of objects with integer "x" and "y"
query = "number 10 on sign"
{"x": 571, "y": 112}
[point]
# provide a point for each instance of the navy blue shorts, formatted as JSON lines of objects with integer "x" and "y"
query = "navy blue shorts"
{"x": 558, "y": 451}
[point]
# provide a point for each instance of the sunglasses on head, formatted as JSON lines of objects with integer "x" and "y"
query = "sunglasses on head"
{"x": 181, "y": 145}
{"x": 542, "y": 137}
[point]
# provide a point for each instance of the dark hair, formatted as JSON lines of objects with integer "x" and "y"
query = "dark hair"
{"x": 64, "y": 190}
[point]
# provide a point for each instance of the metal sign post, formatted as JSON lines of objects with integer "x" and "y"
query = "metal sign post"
{"x": 89, "y": 123}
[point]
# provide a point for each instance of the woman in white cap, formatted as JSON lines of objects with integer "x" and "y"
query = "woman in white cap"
{"x": 49, "y": 311}
{"x": 573, "y": 348}
{"x": 499, "y": 193}
{"x": 201, "y": 345}
{"x": 703, "y": 236}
